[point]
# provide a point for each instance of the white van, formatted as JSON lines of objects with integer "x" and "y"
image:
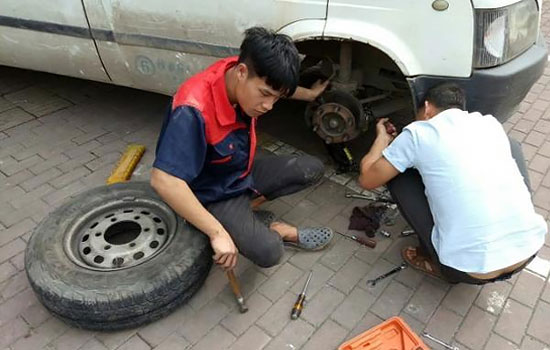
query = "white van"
{"x": 382, "y": 55}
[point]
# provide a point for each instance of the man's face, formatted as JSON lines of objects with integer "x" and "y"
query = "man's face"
{"x": 254, "y": 95}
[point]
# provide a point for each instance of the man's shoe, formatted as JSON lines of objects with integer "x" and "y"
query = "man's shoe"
{"x": 313, "y": 238}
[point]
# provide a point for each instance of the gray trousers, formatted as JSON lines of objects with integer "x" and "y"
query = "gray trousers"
{"x": 407, "y": 189}
{"x": 274, "y": 176}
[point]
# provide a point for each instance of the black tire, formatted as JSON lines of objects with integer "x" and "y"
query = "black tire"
{"x": 119, "y": 298}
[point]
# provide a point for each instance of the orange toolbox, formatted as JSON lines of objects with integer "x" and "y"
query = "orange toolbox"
{"x": 392, "y": 334}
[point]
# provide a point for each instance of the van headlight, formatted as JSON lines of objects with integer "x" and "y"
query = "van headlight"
{"x": 503, "y": 33}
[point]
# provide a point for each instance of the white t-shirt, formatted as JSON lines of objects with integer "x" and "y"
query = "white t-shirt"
{"x": 482, "y": 210}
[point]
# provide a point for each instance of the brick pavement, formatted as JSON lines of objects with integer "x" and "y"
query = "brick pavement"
{"x": 59, "y": 136}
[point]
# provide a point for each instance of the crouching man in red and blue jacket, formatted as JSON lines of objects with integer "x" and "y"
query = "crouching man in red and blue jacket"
{"x": 206, "y": 167}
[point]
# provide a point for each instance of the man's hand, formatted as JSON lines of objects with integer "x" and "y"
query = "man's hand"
{"x": 225, "y": 251}
{"x": 317, "y": 88}
{"x": 385, "y": 131}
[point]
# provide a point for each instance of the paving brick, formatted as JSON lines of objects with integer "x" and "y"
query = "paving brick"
{"x": 80, "y": 150}
{"x": 535, "y": 179}
{"x": 349, "y": 275}
{"x": 328, "y": 192}
{"x": 13, "y": 117}
{"x": 293, "y": 336}
{"x": 530, "y": 343}
{"x": 339, "y": 253}
{"x": 444, "y": 324}
{"x": 476, "y": 328}
{"x": 328, "y": 337}
{"x": 370, "y": 320}
{"x": 31, "y": 197}
{"x": 541, "y": 105}
{"x": 541, "y": 263}
{"x": 529, "y": 151}
{"x": 538, "y": 326}
{"x": 35, "y": 314}
{"x": 37, "y": 101}
{"x": 280, "y": 282}
{"x": 513, "y": 321}
{"x": 369, "y": 255}
{"x": 12, "y": 331}
{"x": 497, "y": 342}
{"x": 321, "y": 305}
{"x": 6, "y": 271}
{"x": 517, "y": 135}
{"x": 524, "y": 126}
{"x": 155, "y": 333}
{"x": 107, "y": 160}
{"x": 10, "y": 166}
{"x": 539, "y": 163}
{"x": 57, "y": 197}
{"x": 18, "y": 261}
{"x": 544, "y": 150}
{"x": 353, "y": 308}
{"x": 48, "y": 164}
{"x": 42, "y": 335}
{"x": 35, "y": 210}
{"x": 15, "y": 231}
{"x": 38, "y": 180}
{"x": 11, "y": 249}
{"x": 89, "y": 135}
{"x": 326, "y": 212}
{"x": 394, "y": 298}
{"x": 218, "y": 338}
{"x": 204, "y": 320}
{"x": 535, "y": 138}
{"x": 492, "y": 297}
{"x": 17, "y": 178}
{"x": 135, "y": 343}
{"x": 542, "y": 197}
{"x": 238, "y": 323}
{"x": 74, "y": 338}
{"x": 278, "y": 315}
{"x": 15, "y": 285}
{"x": 113, "y": 340}
{"x": 11, "y": 193}
{"x": 528, "y": 288}
{"x": 94, "y": 344}
{"x": 174, "y": 342}
{"x": 426, "y": 299}
{"x": 76, "y": 162}
{"x": 319, "y": 279}
{"x": 254, "y": 338}
{"x": 300, "y": 212}
{"x": 306, "y": 259}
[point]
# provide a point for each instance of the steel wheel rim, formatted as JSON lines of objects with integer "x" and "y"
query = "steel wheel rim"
{"x": 120, "y": 234}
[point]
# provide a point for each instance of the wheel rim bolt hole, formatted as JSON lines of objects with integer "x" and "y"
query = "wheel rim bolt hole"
{"x": 85, "y": 238}
{"x": 154, "y": 244}
{"x": 118, "y": 261}
{"x": 157, "y": 220}
{"x": 138, "y": 255}
{"x": 113, "y": 219}
{"x": 107, "y": 247}
{"x": 98, "y": 259}
{"x": 146, "y": 229}
{"x": 160, "y": 231}
{"x": 137, "y": 217}
{"x": 132, "y": 244}
{"x": 98, "y": 234}
{"x": 86, "y": 250}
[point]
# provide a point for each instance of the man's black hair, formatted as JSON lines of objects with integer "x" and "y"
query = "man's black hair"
{"x": 273, "y": 56}
{"x": 445, "y": 96}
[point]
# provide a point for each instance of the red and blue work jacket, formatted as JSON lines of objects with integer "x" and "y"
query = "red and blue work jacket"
{"x": 205, "y": 140}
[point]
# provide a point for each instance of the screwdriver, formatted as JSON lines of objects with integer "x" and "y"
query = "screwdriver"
{"x": 299, "y": 305}
{"x": 371, "y": 243}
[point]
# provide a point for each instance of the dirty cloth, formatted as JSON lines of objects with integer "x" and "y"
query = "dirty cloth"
{"x": 367, "y": 218}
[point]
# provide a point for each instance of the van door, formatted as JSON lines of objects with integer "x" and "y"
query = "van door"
{"x": 51, "y": 36}
{"x": 155, "y": 45}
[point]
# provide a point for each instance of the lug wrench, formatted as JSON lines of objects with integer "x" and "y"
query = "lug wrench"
{"x": 237, "y": 291}
{"x": 439, "y": 341}
{"x": 372, "y": 283}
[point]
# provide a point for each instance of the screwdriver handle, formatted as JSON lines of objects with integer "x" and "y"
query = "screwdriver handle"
{"x": 371, "y": 243}
{"x": 298, "y": 306}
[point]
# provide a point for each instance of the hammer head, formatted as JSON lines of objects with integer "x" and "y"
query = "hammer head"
{"x": 242, "y": 306}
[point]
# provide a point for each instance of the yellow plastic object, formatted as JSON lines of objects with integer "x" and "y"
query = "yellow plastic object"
{"x": 127, "y": 163}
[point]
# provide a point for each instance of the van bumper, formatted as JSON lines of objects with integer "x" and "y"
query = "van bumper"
{"x": 497, "y": 90}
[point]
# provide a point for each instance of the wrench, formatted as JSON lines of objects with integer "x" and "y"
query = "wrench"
{"x": 361, "y": 196}
{"x": 373, "y": 282}
{"x": 439, "y": 341}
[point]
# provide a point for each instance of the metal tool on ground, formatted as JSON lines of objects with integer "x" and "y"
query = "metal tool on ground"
{"x": 385, "y": 233}
{"x": 439, "y": 341}
{"x": 237, "y": 291}
{"x": 361, "y": 196}
{"x": 371, "y": 243}
{"x": 299, "y": 305}
{"x": 372, "y": 283}
{"x": 406, "y": 233}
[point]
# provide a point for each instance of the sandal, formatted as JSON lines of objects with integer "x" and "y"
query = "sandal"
{"x": 266, "y": 217}
{"x": 419, "y": 262}
{"x": 312, "y": 238}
